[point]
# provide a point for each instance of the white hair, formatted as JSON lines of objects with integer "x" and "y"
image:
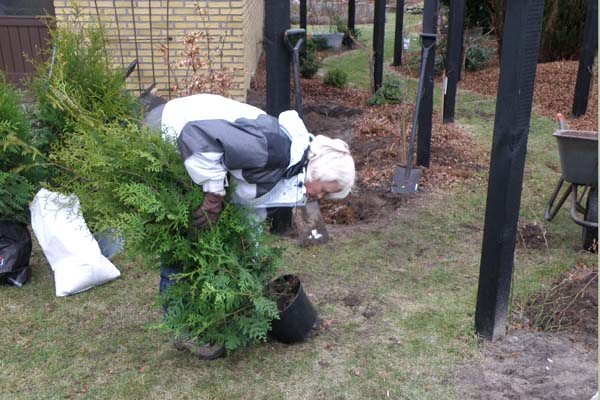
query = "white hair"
{"x": 330, "y": 160}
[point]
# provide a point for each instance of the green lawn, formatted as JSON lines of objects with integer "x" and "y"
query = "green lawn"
{"x": 416, "y": 279}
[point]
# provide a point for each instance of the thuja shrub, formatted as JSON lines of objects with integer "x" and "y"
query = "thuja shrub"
{"x": 309, "y": 63}
{"x": 478, "y": 57}
{"x": 132, "y": 181}
{"x": 19, "y": 158}
{"x": 78, "y": 66}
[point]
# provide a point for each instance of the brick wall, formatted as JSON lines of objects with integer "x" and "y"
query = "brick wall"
{"x": 238, "y": 24}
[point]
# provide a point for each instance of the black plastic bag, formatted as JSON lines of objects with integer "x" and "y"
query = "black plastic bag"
{"x": 15, "y": 251}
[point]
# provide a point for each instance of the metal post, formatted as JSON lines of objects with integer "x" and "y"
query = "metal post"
{"x": 277, "y": 20}
{"x": 303, "y": 13}
{"x": 378, "y": 43}
{"x": 351, "y": 16}
{"x": 430, "y": 13}
{"x": 398, "y": 34}
{"x": 586, "y": 60}
{"x": 520, "y": 46}
{"x": 454, "y": 56}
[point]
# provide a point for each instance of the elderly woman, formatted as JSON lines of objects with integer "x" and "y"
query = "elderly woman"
{"x": 270, "y": 162}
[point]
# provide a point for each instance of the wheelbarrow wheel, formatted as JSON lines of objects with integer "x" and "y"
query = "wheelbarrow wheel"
{"x": 590, "y": 235}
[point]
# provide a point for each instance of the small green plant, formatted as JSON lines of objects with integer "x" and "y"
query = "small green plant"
{"x": 19, "y": 169}
{"x": 336, "y": 78}
{"x": 390, "y": 92}
{"x": 478, "y": 57}
{"x": 320, "y": 43}
{"x": 309, "y": 64}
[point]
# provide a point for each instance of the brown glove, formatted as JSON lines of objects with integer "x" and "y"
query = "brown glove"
{"x": 209, "y": 212}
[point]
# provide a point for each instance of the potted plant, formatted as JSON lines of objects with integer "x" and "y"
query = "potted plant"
{"x": 334, "y": 37}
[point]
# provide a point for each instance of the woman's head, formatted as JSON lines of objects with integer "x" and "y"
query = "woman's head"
{"x": 330, "y": 164}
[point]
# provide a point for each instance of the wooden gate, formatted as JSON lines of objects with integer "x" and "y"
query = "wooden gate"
{"x": 23, "y": 34}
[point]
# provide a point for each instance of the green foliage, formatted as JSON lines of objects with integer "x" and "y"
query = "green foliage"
{"x": 320, "y": 43}
{"x": 134, "y": 182}
{"x": 478, "y": 57}
{"x": 336, "y": 77}
{"x": 15, "y": 194}
{"x": 309, "y": 64}
{"x": 390, "y": 92}
{"x": 79, "y": 68}
{"x": 19, "y": 172}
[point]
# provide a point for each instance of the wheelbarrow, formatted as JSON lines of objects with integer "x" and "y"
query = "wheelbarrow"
{"x": 578, "y": 152}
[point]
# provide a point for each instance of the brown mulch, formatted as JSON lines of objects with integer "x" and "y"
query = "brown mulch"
{"x": 571, "y": 304}
{"x": 554, "y": 90}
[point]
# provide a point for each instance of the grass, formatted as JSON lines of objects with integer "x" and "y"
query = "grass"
{"x": 416, "y": 279}
{"x": 356, "y": 62}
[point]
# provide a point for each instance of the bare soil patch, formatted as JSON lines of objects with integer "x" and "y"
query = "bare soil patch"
{"x": 532, "y": 235}
{"x": 533, "y": 366}
{"x": 570, "y": 305}
{"x": 551, "y": 350}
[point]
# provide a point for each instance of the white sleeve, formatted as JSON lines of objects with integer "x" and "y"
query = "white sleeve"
{"x": 206, "y": 169}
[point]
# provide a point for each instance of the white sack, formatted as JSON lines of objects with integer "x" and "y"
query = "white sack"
{"x": 68, "y": 244}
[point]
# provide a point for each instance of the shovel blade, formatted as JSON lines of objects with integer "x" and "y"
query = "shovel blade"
{"x": 404, "y": 183}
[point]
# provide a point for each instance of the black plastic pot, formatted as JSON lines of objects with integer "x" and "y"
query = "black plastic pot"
{"x": 297, "y": 318}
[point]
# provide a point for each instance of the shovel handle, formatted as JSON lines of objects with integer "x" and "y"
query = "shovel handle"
{"x": 428, "y": 36}
{"x": 293, "y": 32}
{"x": 413, "y": 132}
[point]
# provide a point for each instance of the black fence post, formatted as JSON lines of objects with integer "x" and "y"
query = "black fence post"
{"x": 378, "y": 43}
{"x": 430, "y": 13}
{"x": 277, "y": 21}
{"x": 398, "y": 34}
{"x": 586, "y": 60}
{"x": 453, "y": 56}
{"x": 303, "y": 13}
{"x": 520, "y": 47}
{"x": 352, "y": 17}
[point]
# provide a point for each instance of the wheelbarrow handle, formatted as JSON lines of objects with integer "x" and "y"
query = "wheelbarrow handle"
{"x": 574, "y": 216}
{"x": 550, "y": 213}
{"x": 561, "y": 121}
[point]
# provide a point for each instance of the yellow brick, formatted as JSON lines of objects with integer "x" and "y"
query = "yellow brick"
{"x": 181, "y": 4}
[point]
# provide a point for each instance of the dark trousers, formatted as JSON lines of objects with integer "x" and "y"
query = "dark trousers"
{"x": 165, "y": 280}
